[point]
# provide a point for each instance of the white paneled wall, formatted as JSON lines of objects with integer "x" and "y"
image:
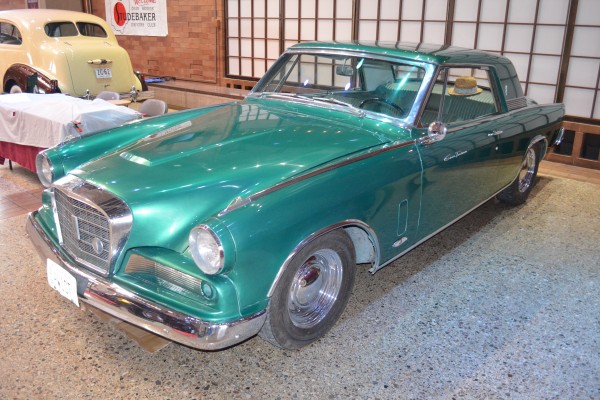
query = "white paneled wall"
{"x": 252, "y": 36}
{"x": 529, "y": 32}
{"x": 581, "y": 92}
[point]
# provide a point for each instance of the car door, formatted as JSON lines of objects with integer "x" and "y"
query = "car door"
{"x": 460, "y": 170}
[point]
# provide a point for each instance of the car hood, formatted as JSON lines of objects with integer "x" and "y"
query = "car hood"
{"x": 202, "y": 164}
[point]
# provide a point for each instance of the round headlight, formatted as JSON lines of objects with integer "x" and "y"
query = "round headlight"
{"x": 44, "y": 169}
{"x": 207, "y": 250}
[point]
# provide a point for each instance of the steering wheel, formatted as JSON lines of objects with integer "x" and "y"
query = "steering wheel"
{"x": 382, "y": 102}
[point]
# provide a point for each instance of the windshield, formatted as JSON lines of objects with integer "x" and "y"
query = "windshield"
{"x": 354, "y": 82}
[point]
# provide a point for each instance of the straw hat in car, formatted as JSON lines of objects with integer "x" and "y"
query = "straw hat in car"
{"x": 465, "y": 86}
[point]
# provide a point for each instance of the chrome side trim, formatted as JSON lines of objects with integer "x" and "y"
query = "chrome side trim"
{"x": 559, "y": 137}
{"x": 135, "y": 309}
{"x": 348, "y": 223}
{"x": 239, "y": 202}
{"x": 55, "y": 215}
{"x": 535, "y": 140}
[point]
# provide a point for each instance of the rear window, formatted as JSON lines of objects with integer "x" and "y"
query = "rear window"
{"x": 90, "y": 29}
{"x": 60, "y": 29}
{"x": 67, "y": 28}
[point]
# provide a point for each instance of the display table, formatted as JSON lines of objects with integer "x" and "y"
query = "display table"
{"x": 33, "y": 122}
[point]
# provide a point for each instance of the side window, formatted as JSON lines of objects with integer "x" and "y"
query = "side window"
{"x": 469, "y": 95}
{"x": 9, "y": 34}
{"x": 376, "y": 73}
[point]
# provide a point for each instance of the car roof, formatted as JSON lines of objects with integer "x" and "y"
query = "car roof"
{"x": 36, "y": 17}
{"x": 428, "y": 52}
{"x": 27, "y": 21}
{"x": 433, "y": 54}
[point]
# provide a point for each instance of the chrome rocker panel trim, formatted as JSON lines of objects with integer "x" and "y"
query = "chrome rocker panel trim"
{"x": 130, "y": 307}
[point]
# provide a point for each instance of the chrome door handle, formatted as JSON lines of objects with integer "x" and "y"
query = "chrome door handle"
{"x": 495, "y": 133}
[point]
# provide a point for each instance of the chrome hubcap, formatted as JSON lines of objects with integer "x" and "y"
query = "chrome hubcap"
{"x": 527, "y": 170}
{"x": 315, "y": 288}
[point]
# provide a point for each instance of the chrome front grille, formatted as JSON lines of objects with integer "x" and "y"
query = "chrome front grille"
{"x": 85, "y": 231}
{"x": 92, "y": 224}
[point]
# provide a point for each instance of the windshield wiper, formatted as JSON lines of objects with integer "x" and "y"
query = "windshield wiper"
{"x": 354, "y": 109}
{"x": 286, "y": 96}
{"x": 302, "y": 98}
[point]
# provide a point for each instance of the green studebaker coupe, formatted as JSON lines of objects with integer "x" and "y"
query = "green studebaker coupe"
{"x": 212, "y": 225}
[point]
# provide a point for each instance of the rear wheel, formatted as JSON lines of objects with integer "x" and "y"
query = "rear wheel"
{"x": 519, "y": 190}
{"x": 312, "y": 292}
{"x": 15, "y": 89}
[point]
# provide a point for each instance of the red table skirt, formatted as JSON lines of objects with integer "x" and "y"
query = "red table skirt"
{"x": 19, "y": 153}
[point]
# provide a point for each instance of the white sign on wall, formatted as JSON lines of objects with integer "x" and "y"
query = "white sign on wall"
{"x": 137, "y": 17}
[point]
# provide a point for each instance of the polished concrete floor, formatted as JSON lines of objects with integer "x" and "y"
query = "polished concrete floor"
{"x": 504, "y": 304}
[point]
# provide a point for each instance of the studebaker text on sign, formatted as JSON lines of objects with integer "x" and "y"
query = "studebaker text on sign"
{"x": 137, "y": 17}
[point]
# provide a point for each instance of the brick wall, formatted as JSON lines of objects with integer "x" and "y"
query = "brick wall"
{"x": 12, "y": 4}
{"x": 193, "y": 48}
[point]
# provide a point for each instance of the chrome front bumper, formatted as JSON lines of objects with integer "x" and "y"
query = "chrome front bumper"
{"x": 128, "y": 306}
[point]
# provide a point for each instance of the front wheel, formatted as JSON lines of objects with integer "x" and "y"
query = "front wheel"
{"x": 518, "y": 191}
{"x": 312, "y": 292}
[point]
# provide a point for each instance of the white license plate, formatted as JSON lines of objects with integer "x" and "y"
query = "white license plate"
{"x": 103, "y": 73}
{"x": 62, "y": 281}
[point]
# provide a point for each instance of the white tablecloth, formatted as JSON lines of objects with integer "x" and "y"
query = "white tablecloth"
{"x": 45, "y": 120}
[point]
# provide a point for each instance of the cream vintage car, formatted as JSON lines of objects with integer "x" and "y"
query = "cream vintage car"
{"x": 50, "y": 51}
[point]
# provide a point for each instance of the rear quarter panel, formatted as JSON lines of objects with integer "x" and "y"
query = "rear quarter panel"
{"x": 521, "y": 128}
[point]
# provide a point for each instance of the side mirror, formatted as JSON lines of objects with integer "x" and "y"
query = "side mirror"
{"x": 437, "y": 131}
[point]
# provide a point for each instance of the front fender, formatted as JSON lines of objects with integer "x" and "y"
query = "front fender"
{"x": 365, "y": 196}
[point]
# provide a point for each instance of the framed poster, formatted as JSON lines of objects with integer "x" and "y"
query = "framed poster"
{"x": 137, "y": 17}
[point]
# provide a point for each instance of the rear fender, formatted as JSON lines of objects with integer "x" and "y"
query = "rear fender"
{"x": 19, "y": 74}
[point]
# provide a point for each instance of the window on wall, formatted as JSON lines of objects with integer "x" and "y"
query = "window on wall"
{"x": 254, "y": 26}
{"x": 252, "y": 36}
{"x": 583, "y": 76}
{"x": 309, "y": 20}
{"x": 532, "y": 33}
{"x": 529, "y": 32}
{"x": 403, "y": 21}
{"x": 257, "y": 35}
